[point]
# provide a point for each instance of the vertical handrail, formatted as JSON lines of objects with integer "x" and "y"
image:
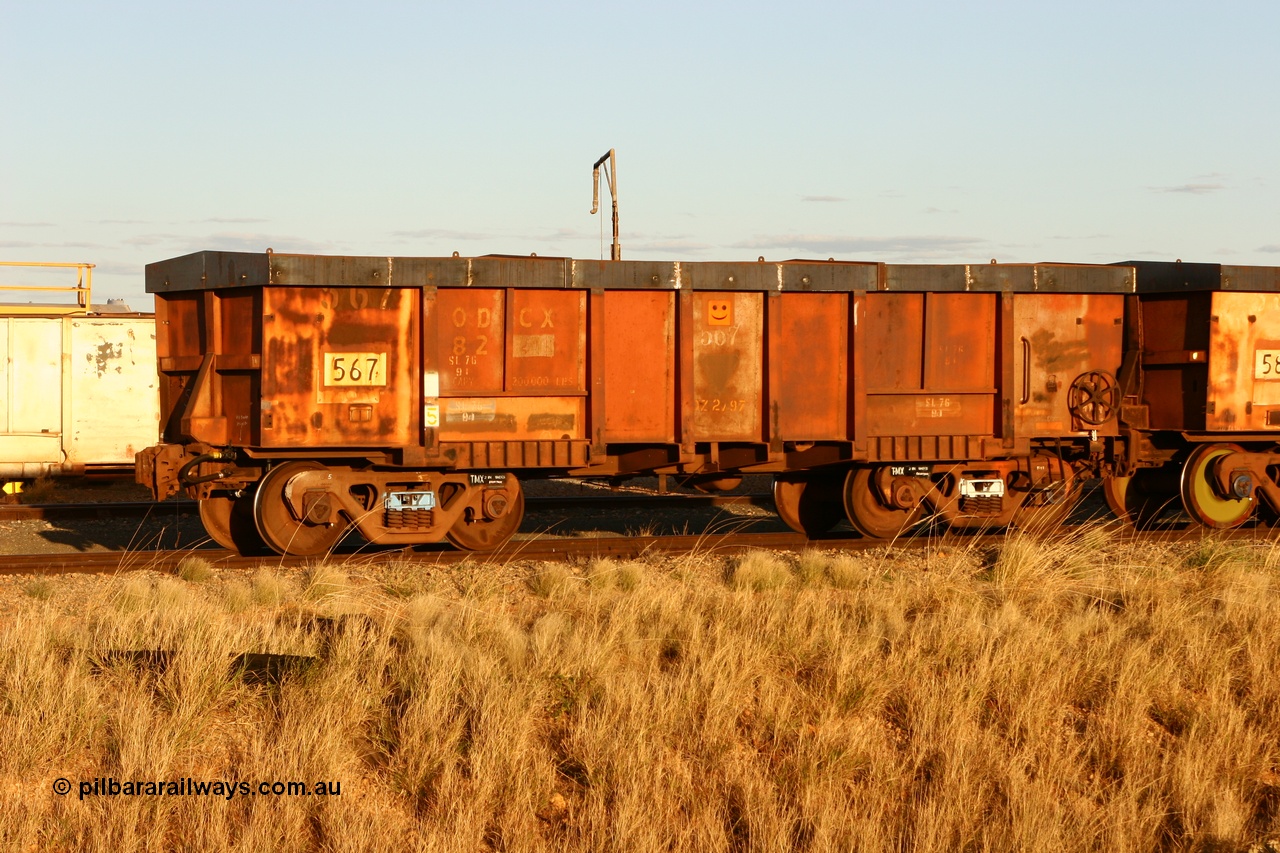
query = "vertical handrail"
{"x": 1026, "y": 371}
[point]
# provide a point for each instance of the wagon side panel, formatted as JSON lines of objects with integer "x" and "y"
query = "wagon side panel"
{"x": 929, "y": 367}
{"x": 639, "y": 366}
{"x": 31, "y": 384}
{"x": 1064, "y": 341}
{"x": 1175, "y": 333}
{"x": 808, "y": 366}
{"x": 114, "y": 389}
{"x": 340, "y": 367}
{"x": 1243, "y": 392}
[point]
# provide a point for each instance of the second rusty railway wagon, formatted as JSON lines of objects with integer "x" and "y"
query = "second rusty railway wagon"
{"x": 302, "y": 395}
{"x": 1200, "y": 413}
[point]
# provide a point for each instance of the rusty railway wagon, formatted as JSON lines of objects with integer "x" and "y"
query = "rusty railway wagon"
{"x": 1200, "y": 413}
{"x": 303, "y": 395}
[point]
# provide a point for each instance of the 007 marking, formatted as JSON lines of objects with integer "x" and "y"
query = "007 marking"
{"x": 355, "y": 368}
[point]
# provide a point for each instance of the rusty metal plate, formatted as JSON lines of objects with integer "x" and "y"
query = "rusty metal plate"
{"x": 635, "y": 275}
{"x": 507, "y": 271}
{"x": 340, "y": 367}
{"x": 204, "y": 270}
{"x": 1251, "y": 278}
{"x": 470, "y": 327}
{"x": 330, "y": 270}
{"x": 731, "y": 276}
{"x": 1175, "y": 345}
{"x": 727, "y": 366}
{"x": 1244, "y": 362}
{"x": 179, "y": 330}
{"x": 892, "y": 334}
{"x": 1179, "y": 277}
{"x": 808, "y": 358}
{"x": 929, "y": 414}
{"x": 959, "y": 342}
{"x": 922, "y": 277}
{"x": 928, "y": 363}
{"x": 1013, "y": 278}
{"x": 546, "y": 342}
{"x": 1058, "y": 337}
{"x": 639, "y": 366}
{"x": 512, "y": 418}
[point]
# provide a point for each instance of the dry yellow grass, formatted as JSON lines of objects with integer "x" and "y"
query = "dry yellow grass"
{"x": 1069, "y": 695}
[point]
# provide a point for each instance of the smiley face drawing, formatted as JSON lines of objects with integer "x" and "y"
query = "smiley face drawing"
{"x": 719, "y": 312}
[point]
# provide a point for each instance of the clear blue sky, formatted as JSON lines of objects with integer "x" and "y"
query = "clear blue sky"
{"x": 914, "y": 131}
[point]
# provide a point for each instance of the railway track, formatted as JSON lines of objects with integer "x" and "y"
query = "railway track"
{"x": 134, "y": 509}
{"x": 550, "y": 548}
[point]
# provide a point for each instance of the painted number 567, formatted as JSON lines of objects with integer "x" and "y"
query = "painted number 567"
{"x": 355, "y": 368}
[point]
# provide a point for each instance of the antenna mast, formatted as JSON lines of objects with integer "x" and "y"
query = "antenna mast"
{"x": 610, "y": 163}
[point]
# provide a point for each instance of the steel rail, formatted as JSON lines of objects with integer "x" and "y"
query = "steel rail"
{"x": 52, "y": 512}
{"x": 550, "y": 548}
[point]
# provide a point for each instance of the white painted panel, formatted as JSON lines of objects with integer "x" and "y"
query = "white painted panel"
{"x": 34, "y": 386}
{"x": 114, "y": 390}
{"x": 30, "y": 390}
{"x": 5, "y": 323}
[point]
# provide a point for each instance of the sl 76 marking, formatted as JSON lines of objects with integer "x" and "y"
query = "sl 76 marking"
{"x": 355, "y": 368}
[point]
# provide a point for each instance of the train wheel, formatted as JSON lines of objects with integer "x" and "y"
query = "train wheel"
{"x": 229, "y": 521}
{"x": 474, "y": 531}
{"x": 722, "y": 483}
{"x": 1116, "y": 490}
{"x": 1201, "y": 499}
{"x": 868, "y": 513}
{"x": 809, "y": 504}
{"x": 276, "y": 524}
{"x": 1139, "y": 499}
{"x": 1058, "y": 503}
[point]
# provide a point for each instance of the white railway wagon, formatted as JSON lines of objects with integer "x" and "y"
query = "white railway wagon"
{"x": 78, "y": 392}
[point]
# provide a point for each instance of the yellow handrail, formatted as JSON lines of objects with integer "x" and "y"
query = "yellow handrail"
{"x": 83, "y": 289}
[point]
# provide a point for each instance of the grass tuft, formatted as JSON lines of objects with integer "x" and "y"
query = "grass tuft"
{"x": 41, "y": 490}
{"x": 758, "y": 571}
{"x": 194, "y": 569}
{"x": 41, "y": 589}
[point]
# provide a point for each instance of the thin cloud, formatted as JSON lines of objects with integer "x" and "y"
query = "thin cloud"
{"x": 26, "y": 224}
{"x": 259, "y": 242}
{"x": 123, "y": 222}
{"x": 119, "y": 268}
{"x": 566, "y": 234}
{"x": 228, "y": 241}
{"x": 669, "y": 247}
{"x": 152, "y": 239}
{"x": 234, "y": 221}
{"x": 16, "y": 244}
{"x": 1191, "y": 189}
{"x": 823, "y": 198}
{"x": 917, "y": 246}
{"x": 1271, "y": 248}
{"x": 442, "y": 234}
